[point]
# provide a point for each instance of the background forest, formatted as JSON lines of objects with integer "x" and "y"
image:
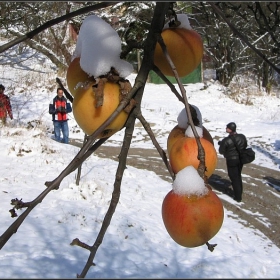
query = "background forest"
{"x": 257, "y": 23}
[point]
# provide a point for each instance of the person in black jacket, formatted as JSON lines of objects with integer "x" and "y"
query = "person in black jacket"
{"x": 234, "y": 166}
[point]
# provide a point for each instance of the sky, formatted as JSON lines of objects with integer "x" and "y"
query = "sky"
{"x": 136, "y": 244}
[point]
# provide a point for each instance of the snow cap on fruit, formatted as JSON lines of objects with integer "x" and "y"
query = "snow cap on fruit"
{"x": 183, "y": 120}
{"x": 189, "y": 131}
{"x": 99, "y": 48}
{"x": 183, "y": 18}
{"x": 188, "y": 182}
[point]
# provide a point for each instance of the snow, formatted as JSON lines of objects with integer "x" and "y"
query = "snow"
{"x": 184, "y": 19}
{"x": 96, "y": 40}
{"x": 193, "y": 185}
{"x": 136, "y": 244}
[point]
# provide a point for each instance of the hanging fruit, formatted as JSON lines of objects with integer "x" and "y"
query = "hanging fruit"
{"x": 192, "y": 213}
{"x": 178, "y": 132}
{"x": 93, "y": 104}
{"x": 96, "y": 78}
{"x": 185, "y": 48}
{"x": 184, "y": 152}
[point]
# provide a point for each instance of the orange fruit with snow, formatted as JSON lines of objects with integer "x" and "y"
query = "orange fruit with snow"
{"x": 185, "y": 48}
{"x": 178, "y": 132}
{"x": 191, "y": 221}
{"x": 90, "y": 118}
{"x": 184, "y": 152}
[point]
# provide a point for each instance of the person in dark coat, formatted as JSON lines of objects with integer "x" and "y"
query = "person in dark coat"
{"x": 229, "y": 151}
{"x": 59, "y": 108}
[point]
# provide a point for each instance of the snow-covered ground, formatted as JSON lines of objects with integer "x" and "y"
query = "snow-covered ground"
{"x": 136, "y": 244}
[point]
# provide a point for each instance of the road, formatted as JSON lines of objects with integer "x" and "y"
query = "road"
{"x": 260, "y": 206}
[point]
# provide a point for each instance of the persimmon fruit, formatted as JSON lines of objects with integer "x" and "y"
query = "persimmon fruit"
{"x": 90, "y": 118}
{"x": 184, "y": 152}
{"x": 179, "y": 132}
{"x": 193, "y": 220}
{"x": 185, "y": 48}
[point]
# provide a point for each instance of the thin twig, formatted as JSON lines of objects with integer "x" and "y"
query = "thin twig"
{"x": 80, "y": 167}
{"x": 76, "y": 162}
{"x": 55, "y": 21}
{"x": 67, "y": 94}
{"x": 156, "y": 144}
{"x": 114, "y": 200}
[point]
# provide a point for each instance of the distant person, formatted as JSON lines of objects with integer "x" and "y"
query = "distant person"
{"x": 229, "y": 151}
{"x": 5, "y": 106}
{"x": 59, "y": 108}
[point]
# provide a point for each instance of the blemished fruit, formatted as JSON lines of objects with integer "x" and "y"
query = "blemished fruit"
{"x": 185, "y": 48}
{"x": 76, "y": 77}
{"x": 184, "y": 152}
{"x": 89, "y": 118}
{"x": 178, "y": 132}
{"x": 191, "y": 221}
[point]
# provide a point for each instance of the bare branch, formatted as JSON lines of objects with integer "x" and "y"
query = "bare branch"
{"x": 67, "y": 94}
{"x": 75, "y": 163}
{"x": 52, "y": 22}
{"x": 156, "y": 144}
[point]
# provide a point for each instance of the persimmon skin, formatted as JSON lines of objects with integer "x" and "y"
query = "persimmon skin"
{"x": 191, "y": 221}
{"x": 75, "y": 74}
{"x": 178, "y": 132}
{"x": 185, "y": 48}
{"x": 184, "y": 152}
{"x": 90, "y": 118}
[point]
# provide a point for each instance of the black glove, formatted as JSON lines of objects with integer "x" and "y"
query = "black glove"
{"x": 61, "y": 110}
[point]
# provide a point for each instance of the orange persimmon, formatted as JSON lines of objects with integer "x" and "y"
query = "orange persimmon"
{"x": 191, "y": 221}
{"x": 185, "y": 48}
{"x": 178, "y": 132}
{"x": 184, "y": 152}
{"x": 89, "y": 118}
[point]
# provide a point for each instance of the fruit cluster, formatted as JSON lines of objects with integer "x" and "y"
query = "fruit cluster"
{"x": 192, "y": 213}
{"x": 191, "y": 218}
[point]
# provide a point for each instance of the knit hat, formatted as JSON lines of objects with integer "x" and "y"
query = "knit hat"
{"x": 1, "y": 86}
{"x": 231, "y": 126}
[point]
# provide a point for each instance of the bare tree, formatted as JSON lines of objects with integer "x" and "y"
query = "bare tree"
{"x": 239, "y": 37}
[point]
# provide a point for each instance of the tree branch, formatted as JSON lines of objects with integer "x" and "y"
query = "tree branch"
{"x": 156, "y": 144}
{"x": 52, "y": 22}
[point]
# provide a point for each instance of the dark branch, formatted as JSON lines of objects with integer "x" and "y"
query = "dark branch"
{"x": 52, "y": 22}
{"x": 67, "y": 94}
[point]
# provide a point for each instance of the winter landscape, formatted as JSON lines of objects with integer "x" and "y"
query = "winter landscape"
{"x": 136, "y": 244}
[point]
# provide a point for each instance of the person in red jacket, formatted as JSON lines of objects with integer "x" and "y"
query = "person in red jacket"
{"x": 59, "y": 108}
{"x": 5, "y": 106}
